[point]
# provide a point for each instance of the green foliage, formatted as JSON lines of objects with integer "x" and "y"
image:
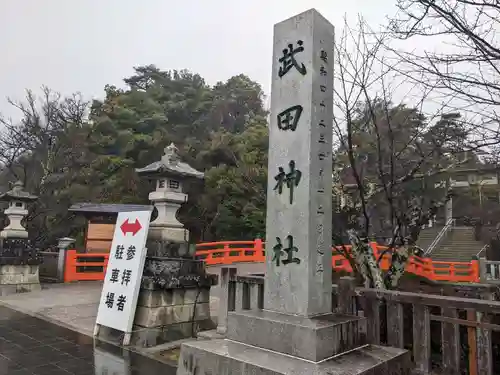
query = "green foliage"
{"x": 221, "y": 130}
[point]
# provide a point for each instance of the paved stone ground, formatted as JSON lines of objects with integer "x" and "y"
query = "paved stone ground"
{"x": 71, "y": 305}
{"x": 31, "y": 346}
{"x": 75, "y": 305}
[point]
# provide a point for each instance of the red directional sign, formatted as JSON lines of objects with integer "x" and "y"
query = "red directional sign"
{"x": 128, "y": 227}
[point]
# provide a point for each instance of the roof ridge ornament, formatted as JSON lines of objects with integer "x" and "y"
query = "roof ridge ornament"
{"x": 171, "y": 155}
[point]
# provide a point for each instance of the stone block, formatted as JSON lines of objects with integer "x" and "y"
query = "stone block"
{"x": 190, "y": 296}
{"x": 209, "y": 335}
{"x": 168, "y": 233}
{"x": 213, "y": 357}
{"x": 313, "y": 339}
{"x": 9, "y": 289}
{"x": 147, "y": 337}
{"x": 170, "y": 297}
{"x": 187, "y": 313}
{"x": 154, "y": 317}
{"x": 24, "y": 269}
{"x": 19, "y": 274}
{"x": 155, "y": 298}
{"x": 151, "y": 317}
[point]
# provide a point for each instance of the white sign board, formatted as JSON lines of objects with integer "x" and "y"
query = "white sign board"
{"x": 123, "y": 275}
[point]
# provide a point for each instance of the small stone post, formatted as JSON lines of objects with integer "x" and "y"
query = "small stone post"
{"x": 227, "y": 273}
{"x": 62, "y": 245}
{"x": 483, "y": 277}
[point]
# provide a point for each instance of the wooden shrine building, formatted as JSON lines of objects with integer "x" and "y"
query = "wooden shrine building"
{"x": 101, "y": 219}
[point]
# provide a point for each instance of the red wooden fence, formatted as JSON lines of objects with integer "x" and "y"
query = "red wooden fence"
{"x": 78, "y": 266}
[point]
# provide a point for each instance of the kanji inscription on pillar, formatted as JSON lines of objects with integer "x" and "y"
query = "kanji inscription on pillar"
{"x": 299, "y": 209}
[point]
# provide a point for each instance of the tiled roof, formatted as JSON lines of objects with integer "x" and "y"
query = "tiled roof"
{"x": 108, "y": 207}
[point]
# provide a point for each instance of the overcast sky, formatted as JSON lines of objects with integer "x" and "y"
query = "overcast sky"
{"x": 81, "y": 45}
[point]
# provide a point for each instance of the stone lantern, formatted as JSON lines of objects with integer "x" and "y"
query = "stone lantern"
{"x": 174, "y": 296}
{"x": 19, "y": 260}
{"x": 170, "y": 175}
{"x": 18, "y": 200}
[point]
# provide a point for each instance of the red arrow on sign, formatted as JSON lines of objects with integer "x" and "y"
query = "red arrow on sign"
{"x": 133, "y": 228}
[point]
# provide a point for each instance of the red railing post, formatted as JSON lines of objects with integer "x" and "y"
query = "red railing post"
{"x": 227, "y": 254}
{"x": 474, "y": 270}
{"x": 258, "y": 250}
{"x": 451, "y": 271}
{"x": 429, "y": 268}
{"x": 374, "y": 247}
{"x": 69, "y": 266}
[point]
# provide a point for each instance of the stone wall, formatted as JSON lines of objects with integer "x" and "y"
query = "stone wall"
{"x": 165, "y": 315}
{"x": 19, "y": 278}
{"x": 49, "y": 267}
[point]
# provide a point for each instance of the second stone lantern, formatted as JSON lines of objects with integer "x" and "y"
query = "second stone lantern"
{"x": 170, "y": 175}
{"x": 175, "y": 289}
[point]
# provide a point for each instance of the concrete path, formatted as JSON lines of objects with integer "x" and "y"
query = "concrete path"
{"x": 74, "y": 305}
{"x": 33, "y": 346}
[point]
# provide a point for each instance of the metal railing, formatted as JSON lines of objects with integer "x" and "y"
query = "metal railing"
{"x": 442, "y": 232}
{"x": 482, "y": 249}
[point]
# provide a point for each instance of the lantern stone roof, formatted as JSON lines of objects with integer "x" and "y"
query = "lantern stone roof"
{"x": 170, "y": 165}
{"x": 17, "y": 193}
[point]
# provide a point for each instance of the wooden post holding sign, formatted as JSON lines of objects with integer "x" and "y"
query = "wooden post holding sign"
{"x": 124, "y": 273}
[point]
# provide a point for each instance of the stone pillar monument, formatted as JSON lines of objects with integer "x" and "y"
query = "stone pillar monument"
{"x": 19, "y": 261}
{"x": 296, "y": 332}
{"x": 174, "y": 297}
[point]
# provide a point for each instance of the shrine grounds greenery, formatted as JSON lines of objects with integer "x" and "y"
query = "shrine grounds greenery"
{"x": 67, "y": 150}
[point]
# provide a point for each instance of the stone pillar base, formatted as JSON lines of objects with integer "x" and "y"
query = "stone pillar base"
{"x": 229, "y": 357}
{"x": 265, "y": 342}
{"x": 19, "y": 278}
{"x": 165, "y": 315}
{"x": 165, "y": 233}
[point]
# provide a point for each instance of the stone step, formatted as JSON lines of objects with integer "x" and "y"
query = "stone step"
{"x": 312, "y": 339}
{"x": 224, "y": 356}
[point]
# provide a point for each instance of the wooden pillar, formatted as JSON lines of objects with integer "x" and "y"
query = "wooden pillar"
{"x": 395, "y": 326}
{"x": 372, "y": 315}
{"x": 450, "y": 343}
{"x": 483, "y": 340}
{"x": 346, "y": 300}
{"x": 422, "y": 339}
{"x": 471, "y": 339}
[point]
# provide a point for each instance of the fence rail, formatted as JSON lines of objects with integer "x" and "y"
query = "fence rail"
{"x": 233, "y": 252}
{"x": 82, "y": 267}
{"x": 85, "y": 266}
{"x": 398, "y": 319}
